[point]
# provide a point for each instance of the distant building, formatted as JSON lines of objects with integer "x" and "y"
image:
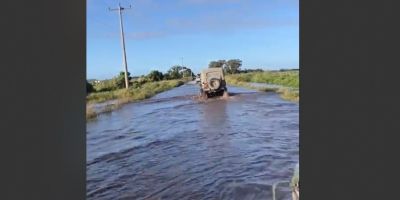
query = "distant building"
{"x": 93, "y": 81}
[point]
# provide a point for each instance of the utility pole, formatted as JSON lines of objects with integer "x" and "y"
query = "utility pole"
{"x": 120, "y": 9}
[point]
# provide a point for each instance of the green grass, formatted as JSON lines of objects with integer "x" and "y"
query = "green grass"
{"x": 289, "y": 80}
{"x": 289, "y": 94}
{"x": 106, "y": 85}
{"x": 132, "y": 94}
{"x": 123, "y": 96}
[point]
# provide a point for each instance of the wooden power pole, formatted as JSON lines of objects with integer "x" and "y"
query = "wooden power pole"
{"x": 120, "y": 9}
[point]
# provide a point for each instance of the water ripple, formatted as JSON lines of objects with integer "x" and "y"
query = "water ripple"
{"x": 173, "y": 146}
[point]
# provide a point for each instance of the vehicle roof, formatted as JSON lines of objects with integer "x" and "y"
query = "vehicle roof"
{"x": 216, "y": 69}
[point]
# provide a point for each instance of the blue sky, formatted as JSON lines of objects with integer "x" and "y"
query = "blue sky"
{"x": 158, "y": 33}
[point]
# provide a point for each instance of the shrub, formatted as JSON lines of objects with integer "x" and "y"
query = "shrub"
{"x": 120, "y": 79}
{"x": 89, "y": 87}
{"x": 155, "y": 76}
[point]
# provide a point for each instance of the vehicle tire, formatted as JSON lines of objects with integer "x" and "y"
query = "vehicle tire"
{"x": 214, "y": 83}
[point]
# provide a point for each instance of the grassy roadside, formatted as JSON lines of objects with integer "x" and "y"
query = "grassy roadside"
{"x": 123, "y": 96}
{"x": 289, "y": 82}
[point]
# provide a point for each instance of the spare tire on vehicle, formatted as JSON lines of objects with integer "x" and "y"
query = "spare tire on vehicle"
{"x": 214, "y": 83}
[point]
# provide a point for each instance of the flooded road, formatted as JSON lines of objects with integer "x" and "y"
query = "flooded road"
{"x": 174, "y": 146}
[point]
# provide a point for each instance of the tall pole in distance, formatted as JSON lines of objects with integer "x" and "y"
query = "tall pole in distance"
{"x": 121, "y": 25}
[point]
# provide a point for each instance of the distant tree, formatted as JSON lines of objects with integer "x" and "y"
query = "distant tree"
{"x": 175, "y": 72}
{"x": 186, "y": 72}
{"x": 155, "y": 76}
{"x": 250, "y": 70}
{"x": 120, "y": 79}
{"x": 233, "y": 66}
{"x": 89, "y": 87}
{"x": 166, "y": 76}
{"x": 142, "y": 80}
{"x": 216, "y": 64}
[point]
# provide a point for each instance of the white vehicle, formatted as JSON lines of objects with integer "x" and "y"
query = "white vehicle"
{"x": 212, "y": 82}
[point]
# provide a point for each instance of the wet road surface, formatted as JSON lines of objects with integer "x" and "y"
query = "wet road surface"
{"x": 174, "y": 146}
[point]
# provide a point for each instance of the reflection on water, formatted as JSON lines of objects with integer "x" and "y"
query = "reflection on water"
{"x": 214, "y": 114}
{"x": 175, "y": 147}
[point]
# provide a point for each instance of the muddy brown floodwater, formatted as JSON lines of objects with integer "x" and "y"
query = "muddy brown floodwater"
{"x": 174, "y": 146}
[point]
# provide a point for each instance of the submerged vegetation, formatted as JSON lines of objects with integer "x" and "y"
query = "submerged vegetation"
{"x": 134, "y": 93}
{"x": 140, "y": 88}
{"x": 90, "y": 113}
{"x": 288, "y": 82}
{"x": 123, "y": 96}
